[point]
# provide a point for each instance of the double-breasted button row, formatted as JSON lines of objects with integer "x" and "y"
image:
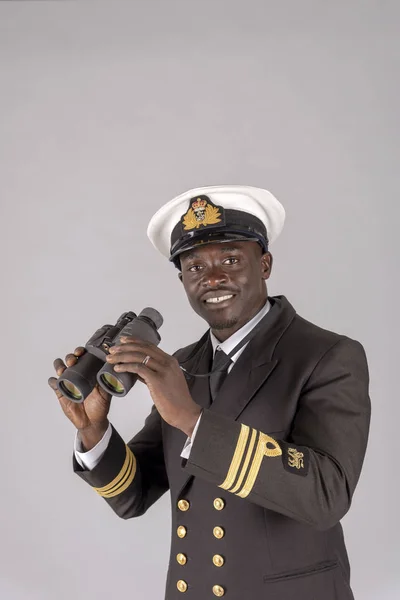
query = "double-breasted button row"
{"x": 218, "y": 560}
{"x": 218, "y": 590}
{"x": 181, "y": 558}
{"x": 184, "y": 505}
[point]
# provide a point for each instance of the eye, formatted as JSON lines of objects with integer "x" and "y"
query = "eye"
{"x": 232, "y": 260}
{"x": 194, "y": 268}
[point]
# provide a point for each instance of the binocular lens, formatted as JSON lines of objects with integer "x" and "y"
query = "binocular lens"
{"x": 112, "y": 383}
{"x": 70, "y": 390}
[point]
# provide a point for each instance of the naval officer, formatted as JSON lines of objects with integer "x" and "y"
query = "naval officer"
{"x": 258, "y": 430}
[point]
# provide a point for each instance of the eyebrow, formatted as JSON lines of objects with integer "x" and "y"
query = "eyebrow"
{"x": 230, "y": 249}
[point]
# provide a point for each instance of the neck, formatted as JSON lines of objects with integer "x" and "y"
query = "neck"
{"x": 225, "y": 333}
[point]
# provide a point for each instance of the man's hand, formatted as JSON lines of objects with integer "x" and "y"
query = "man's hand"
{"x": 164, "y": 378}
{"x": 90, "y": 416}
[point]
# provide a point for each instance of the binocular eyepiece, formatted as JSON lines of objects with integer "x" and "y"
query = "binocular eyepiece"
{"x": 77, "y": 382}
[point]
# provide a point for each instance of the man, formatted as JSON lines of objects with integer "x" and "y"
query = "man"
{"x": 258, "y": 430}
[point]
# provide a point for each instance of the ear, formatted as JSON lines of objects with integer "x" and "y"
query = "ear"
{"x": 180, "y": 276}
{"x": 266, "y": 265}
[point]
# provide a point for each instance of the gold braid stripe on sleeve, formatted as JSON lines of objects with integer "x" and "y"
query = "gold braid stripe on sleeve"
{"x": 262, "y": 450}
{"x": 237, "y": 458}
{"x": 246, "y": 462}
{"x": 123, "y": 480}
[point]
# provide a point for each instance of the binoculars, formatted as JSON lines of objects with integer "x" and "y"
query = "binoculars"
{"x": 77, "y": 382}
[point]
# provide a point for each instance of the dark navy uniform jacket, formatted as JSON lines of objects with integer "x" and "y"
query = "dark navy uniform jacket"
{"x": 256, "y": 508}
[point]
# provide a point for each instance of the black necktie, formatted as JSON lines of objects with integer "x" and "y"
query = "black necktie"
{"x": 220, "y": 365}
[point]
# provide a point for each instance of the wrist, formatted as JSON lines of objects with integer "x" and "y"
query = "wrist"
{"x": 91, "y": 435}
{"x": 190, "y": 422}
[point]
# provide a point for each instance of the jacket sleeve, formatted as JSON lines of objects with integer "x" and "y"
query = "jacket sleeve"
{"x": 131, "y": 477}
{"x": 310, "y": 476}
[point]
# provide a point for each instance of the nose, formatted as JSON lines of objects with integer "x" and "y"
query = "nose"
{"x": 214, "y": 277}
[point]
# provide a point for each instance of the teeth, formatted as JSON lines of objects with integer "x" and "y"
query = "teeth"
{"x": 220, "y": 299}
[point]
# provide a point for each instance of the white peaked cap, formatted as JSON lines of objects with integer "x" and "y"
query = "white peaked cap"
{"x": 251, "y": 200}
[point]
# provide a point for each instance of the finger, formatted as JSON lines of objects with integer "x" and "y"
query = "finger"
{"x": 52, "y": 381}
{"x": 137, "y": 342}
{"x": 136, "y": 358}
{"x": 127, "y": 339}
{"x": 143, "y": 371}
{"x": 65, "y": 403}
{"x": 59, "y": 366}
{"x": 71, "y": 359}
{"x": 144, "y": 348}
{"x": 125, "y": 355}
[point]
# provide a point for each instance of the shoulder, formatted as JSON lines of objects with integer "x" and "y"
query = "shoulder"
{"x": 308, "y": 331}
{"x": 307, "y": 339}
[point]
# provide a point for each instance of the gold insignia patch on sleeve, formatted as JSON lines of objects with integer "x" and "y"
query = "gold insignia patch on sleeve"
{"x": 295, "y": 458}
{"x": 201, "y": 212}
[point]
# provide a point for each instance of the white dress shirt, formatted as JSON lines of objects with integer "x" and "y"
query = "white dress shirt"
{"x": 88, "y": 460}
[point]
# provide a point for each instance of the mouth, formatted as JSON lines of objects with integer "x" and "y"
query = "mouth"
{"x": 221, "y": 300}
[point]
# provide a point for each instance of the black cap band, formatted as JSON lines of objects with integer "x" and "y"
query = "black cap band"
{"x": 237, "y": 225}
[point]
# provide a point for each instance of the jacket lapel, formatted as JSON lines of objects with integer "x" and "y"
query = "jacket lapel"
{"x": 256, "y": 363}
{"x": 199, "y": 386}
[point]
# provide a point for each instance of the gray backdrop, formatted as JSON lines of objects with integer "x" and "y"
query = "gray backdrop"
{"x": 106, "y": 112}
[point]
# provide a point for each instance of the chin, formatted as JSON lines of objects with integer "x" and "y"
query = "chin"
{"x": 220, "y": 323}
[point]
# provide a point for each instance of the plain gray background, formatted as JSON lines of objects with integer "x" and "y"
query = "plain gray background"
{"x": 107, "y": 111}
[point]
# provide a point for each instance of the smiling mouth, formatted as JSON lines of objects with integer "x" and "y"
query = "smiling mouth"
{"x": 219, "y": 299}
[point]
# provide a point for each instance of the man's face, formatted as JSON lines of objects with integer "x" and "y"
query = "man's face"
{"x": 225, "y": 283}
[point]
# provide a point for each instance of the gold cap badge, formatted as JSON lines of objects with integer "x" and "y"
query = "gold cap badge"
{"x": 202, "y": 212}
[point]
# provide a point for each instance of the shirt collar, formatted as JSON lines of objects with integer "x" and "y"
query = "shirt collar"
{"x": 232, "y": 341}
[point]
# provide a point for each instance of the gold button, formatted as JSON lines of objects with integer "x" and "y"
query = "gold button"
{"x": 181, "y": 558}
{"x": 218, "y": 532}
{"x": 218, "y": 560}
{"x": 219, "y": 504}
{"x": 182, "y": 585}
{"x": 181, "y": 531}
{"x": 183, "y": 505}
{"x": 218, "y": 591}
